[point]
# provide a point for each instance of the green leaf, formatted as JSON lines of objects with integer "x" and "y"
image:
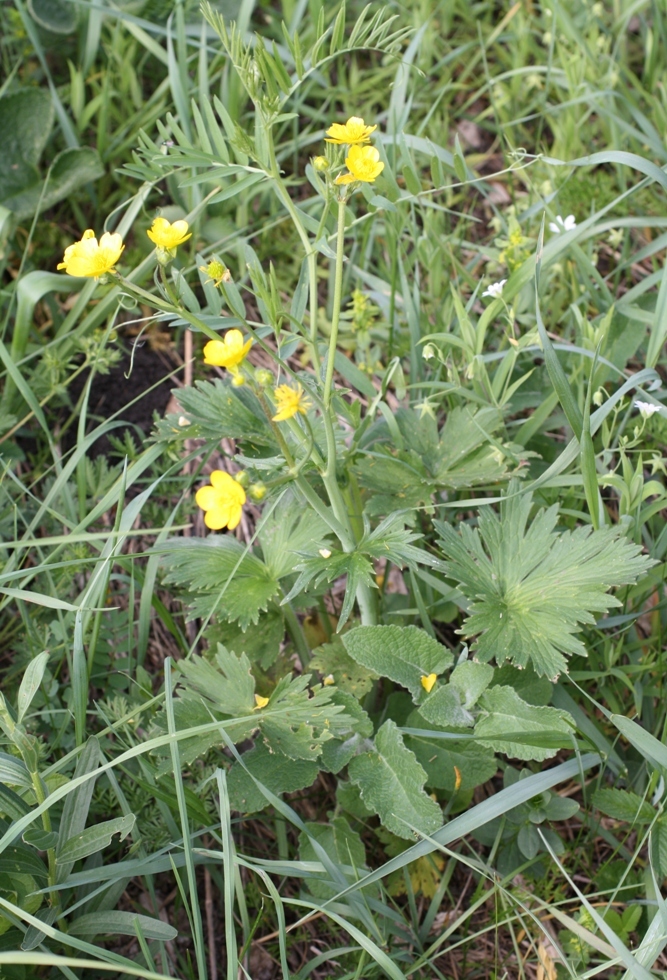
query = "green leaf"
{"x": 275, "y": 771}
{"x": 11, "y": 804}
{"x": 441, "y": 758}
{"x": 13, "y": 771}
{"x": 77, "y": 804}
{"x": 95, "y": 838}
{"x": 462, "y": 455}
{"x": 404, "y": 654}
{"x": 218, "y": 411}
{"x": 223, "y": 576}
{"x": 332, "y": 659}
{"x": 297, "y": 723}
{"x": 26, "y": 119}
{"x": 532, "y": 588}
{"x": 623, "y": 805}
{"x": 315, "y": 572}
{"x": 337, "y": 752}
{"x": 391, "y": 783}
{"x": 71, "y": 169}
{"x": 342, "y": 844}
{"x": 30, "y": 682}
{"x": 444, "y": 707}
{"x": 507, "y": 715}
{"x": 18, "y": 858}
{"x": 471, "y": 679}
{"x": 261, "y": 644}
{"x": 111, "y": 923}
{"x": 660, "y": 836}
{"x": 291, "y": 532}
{"x": 59, "y": 16}
{"x": 226, "y": 682}
{"x": 43, "y": 840}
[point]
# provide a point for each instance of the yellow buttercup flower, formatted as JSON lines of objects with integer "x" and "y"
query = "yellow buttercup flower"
{"x": 428, "y": 682}
{"x": 90, "y": 258}
{"x": 166, "y": 234}
{"x": 355, "y": 130}
{"x": 260, "y": 702}
{"x": 222, "y": 501}
{"x": 228, "y": 353}
{"x": 289, "y": 401}
{"x": 364, "y": 165}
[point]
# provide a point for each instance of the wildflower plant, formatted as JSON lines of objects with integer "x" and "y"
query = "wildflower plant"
{"x": 322, "y": 482}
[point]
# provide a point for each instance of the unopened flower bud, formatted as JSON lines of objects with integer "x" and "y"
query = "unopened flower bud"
{"x": 428, "y": 352}
{"x": 321, "y": 164}
{"x": 238, "y": 380}
{"x": 257, "y": 491}
{"x": 264, "y": 378}
{"x": 242, "y": 478}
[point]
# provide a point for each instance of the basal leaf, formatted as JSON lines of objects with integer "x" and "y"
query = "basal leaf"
{"x": 404, "y": 654}
{"x": 391, "y": 783}
{"x": 291, "y": 532}
{"x": 341, "y": 843}
{"x": 223, "y": 576}
{"x": 532, "y": 588}
{"x": 115, "y": 923}
{"x": 504, "y": 714}
{"x": 623, "y": 805}
{"x": 333, "y": 660}
{"x": 95, "y": 838}
{"x": 226, "y": 682}
{"x": 443, "y": 758}
{"x": 277, "y": 772}
{"x": 444, "y": 707}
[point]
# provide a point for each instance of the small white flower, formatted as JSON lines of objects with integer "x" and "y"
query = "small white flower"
{"x": 495, "y": 289}
{"x": 646, "y": 409}
{"x": 428, "y": 352}
{"x": 562, "y": 224}
{"x": 325, "y": 553}
{"x": 183, "y": 421}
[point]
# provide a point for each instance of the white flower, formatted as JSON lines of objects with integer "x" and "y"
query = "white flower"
{"x": 495, "y": 289}
{"x": 562, "y": 224}
{"x": 428, "y": 352}
{"x": 325, "y": 553}
{"x": 646, "y": 409}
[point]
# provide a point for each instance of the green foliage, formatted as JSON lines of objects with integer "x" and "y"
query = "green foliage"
{"x": 533, "y": 588}
{"x": 404, "y": 654}
{"x": 460, "y": 455}
{"x": 391, "y": 781}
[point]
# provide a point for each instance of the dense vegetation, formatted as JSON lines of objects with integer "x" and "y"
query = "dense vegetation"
{"x": 333, "y": 489}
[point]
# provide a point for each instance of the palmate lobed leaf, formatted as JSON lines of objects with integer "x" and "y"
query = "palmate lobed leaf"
{"x": 532, "y": 588}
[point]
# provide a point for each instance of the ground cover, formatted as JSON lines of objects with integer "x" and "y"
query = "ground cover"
{"x": 333, "y": 490}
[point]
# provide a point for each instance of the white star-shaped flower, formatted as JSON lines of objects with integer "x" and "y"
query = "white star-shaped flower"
{"x": 562, "y": 224}
{"x": 495, "y": 289}
{"x": 646, "y": 409}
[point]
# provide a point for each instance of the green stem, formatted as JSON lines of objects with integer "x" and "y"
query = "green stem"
{"x": 284, "y": 195}
{"x": 40, "y": 796}
{"x": 295, "y": 630}
{"x": 337, "y": 298}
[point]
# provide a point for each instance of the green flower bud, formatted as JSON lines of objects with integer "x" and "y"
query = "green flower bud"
{"x": 264, "y": 378}
{"x": 321, "y": 164}
{"x": 257, "y": 491}
{"x": 242, "y": 479}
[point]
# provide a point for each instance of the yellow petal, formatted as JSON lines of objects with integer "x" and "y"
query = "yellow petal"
{"x": 260, "y": 702}
{"x": 428, "y": 682}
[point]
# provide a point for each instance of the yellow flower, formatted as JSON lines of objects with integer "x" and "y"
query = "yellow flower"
{"x": 355, "y": 130}
{"x": 164, "y": 234}
{"x": 289, "y": 401}
{"x": 364, "y": 164}
{"x": 428, "y": 683}
{"x": 222, "y": 501}
{"x": 88, "y": 258}
{"x": 227, "y": 353}
{"x": 260, "y": 702}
